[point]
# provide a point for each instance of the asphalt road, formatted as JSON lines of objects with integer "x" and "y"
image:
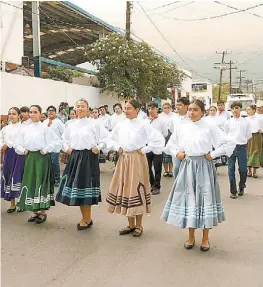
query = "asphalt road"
{"x": 56, "y": 254}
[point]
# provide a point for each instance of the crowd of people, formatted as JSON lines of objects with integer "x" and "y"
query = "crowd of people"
{"x": 188, "y": 144}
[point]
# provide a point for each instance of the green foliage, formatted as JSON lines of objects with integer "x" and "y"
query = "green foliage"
{"x": 62, "y": 74}
{"x": 224, "y": 92}
{"x": 132, "y": 69}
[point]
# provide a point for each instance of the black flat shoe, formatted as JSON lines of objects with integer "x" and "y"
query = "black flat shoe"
{"x": 11, "y": 210}
{"x": 126, "y": 230}
{"x": 33, "y": 218}
{"x": 204, "y": 248}
{"x": 189, "y": 246}
{"x": 40, "y": 220}
{"x": 155, "y": 191}
{"x": 80, "y": 227}
{"x": 170, "y": 174}
{"x": 20, "y": 210}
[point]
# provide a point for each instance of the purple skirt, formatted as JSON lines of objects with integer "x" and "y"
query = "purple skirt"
{"x": 13, "y": 168}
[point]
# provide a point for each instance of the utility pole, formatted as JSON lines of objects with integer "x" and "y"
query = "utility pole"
{"x": 128, "y": 20}
{"x": 240, "y": 79}
{"x": 221, "y": 72}
{"x": 36, "y": 38}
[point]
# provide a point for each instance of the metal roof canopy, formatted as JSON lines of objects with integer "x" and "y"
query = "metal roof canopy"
{"x": 65, "y": 30}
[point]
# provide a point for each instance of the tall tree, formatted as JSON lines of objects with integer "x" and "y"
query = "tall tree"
{"x": 132, "y": 69}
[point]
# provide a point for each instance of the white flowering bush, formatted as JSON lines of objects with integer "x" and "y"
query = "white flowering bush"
{"x": 132, "y": 69}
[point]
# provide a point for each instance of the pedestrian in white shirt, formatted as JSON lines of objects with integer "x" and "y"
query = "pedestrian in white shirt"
{"x": 130, "y": 191}
{"x": 179, "y": 119}
{"x": 104, "y": 118}
{"x": 155, "y": 159}
{"x": 142, "y": 115}
{"x": 239, "y": 130}
{"x": 25, "y": 119}
{"x": 167, "y": 115}
{"x": 58, "y": 127}
{"x": 221, "y": 111}
{"x": 117, "y": 117}
{"x": 255, "y": 143}
{"x": 195, "y": 200}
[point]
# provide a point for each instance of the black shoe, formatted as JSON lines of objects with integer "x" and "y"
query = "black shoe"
{"x": 204, "y": 248}
{"x": 126, "y": 230}
{"x": 188, "y": 246}
{"x": 11, "y": 210}
{"x": 241, "y": 192}
{"x": 156, "y": 191}
{"x": 56, "y": 184}
{"x": 33, "y": 218}
{"x": 40, "y": 220}
{"x": 233, "y": 195}
{"x": 79, "y": 227}
{"x": 170, "y": 174}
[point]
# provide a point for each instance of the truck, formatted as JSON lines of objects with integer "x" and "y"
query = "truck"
{"x": 245, "y": 99}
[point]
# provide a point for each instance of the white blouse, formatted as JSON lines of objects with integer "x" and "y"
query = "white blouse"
{"x": 198, "y": 139}
{"x": 9, "y": 134}
{"x": 256, "y": 123}
{"x": 115, "y": 119}
{"x": 159, "y": 124}
{"x": 69, "y": 122}
{"x": 167, "y": 118}
{"x": 105, "y": 121}
{"x": 84, "y": 134}
{"x": 134, "y": 134}
{"x": 37, "y": 137}
{"x": 216, "y": 120}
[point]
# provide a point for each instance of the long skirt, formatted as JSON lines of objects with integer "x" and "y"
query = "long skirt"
{"x": 11, "y": 179}
{"x": 37, "y": 192}
{"x": 130, "y": 190}
{"x": 80, "y": 183}
{"x": 195, "y": 201}
{"x": 254, "y": 150}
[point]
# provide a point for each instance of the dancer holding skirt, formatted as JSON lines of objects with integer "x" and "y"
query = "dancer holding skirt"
{"x": 130, "y": 190}
{"x": 36, "y": 141}
{"x": 194, "y": 201}
{"x": 80, "y": 183}
{"x": 13, "y": 164}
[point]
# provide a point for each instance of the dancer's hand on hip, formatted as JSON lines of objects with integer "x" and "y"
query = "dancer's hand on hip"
{"x": 208, "y": 156}
{"x": 95, "y": 150}
{"x": 69, "y": 151}
{"x": 120, "y": 150}
{"x": 26, "y": 152}
{"x": 4, "y": 148}
{"x": 180, "y": 155}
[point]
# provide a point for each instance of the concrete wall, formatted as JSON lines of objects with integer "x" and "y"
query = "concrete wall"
{"x": 16, "y": 90}
{"x": 11, "y": 32}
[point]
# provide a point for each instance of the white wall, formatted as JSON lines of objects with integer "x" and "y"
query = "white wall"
{"x": 11, "y": 32}
{"x": 16, "y": 90}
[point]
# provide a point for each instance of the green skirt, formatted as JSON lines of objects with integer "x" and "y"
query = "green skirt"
{"x": 37, "y": 191}
{"x": 254, "y": 150}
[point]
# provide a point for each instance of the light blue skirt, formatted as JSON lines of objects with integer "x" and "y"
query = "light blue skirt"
{"x": 195, "y": 201}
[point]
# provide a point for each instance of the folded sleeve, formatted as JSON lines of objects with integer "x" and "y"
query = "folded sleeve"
{"x": 111, "y": 142}
{"x": 19, "y": 145}
{"x": 155, "y": 140}
{"x": 53, "y": 142}
{"x": 172, "y": 145}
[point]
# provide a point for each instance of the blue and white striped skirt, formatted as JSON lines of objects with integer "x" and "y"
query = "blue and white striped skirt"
{"x": 195, "y": 201}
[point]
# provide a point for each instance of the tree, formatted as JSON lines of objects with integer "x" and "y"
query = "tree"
{"x": 62, "y": 74}
{"x": 132, "y": 69}
{"x": 224, "y": 92}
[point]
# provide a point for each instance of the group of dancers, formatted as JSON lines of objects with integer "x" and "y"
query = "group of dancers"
{"x": 186, "y": 142}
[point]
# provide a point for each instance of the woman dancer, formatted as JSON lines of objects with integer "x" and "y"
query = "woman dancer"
{"x": 255, "y": 143}
{"x": 167, "y": 115}
{"x": 130, "y": 191}
{"x": 194, "y": 201}
{"x": 80, "y": 183}
{"x": 37, "y": 190}
{"x": 13, "y": 164}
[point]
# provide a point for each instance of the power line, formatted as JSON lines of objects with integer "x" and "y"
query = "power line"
{"x": 169, "y": 43}
{"x": 183, "y": 5}
{"x": 212, "y": 17}
{"x": 163, "y": 6}
{"x": 251, "y": 59}
{"x": 231, "y": 7}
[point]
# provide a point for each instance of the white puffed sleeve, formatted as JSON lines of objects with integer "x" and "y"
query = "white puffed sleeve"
{"x": 52, "y": 141}
{"x": 65, "y": 139}
{"x": 20, "y": 143}
{"x": 172, "y": 146}
{"x": 111, "y": 141}
{"x": 222, "y": 144}
{"x": 155, "y": 140}
{"x": 101, "y": 133}
{"x": 249, "y": 132}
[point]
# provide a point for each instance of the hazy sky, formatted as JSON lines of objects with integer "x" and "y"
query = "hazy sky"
{"x": 196, "y": 41}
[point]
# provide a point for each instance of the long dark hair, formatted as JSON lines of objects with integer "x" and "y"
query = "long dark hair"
{"x": 16, "y": 109}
